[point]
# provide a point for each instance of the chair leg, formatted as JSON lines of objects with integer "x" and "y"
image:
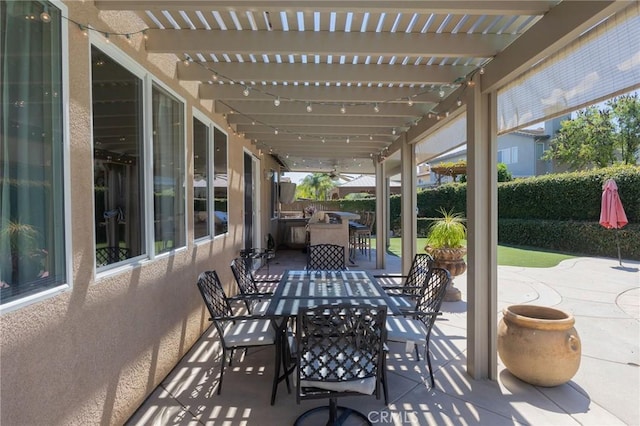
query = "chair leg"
{"x": 428, "y": 356}
{"x": 224, "y": 359}
{"x": 415, "y": 346}
{"x": 231, "y": 357}
{"x": 384, "y": 383}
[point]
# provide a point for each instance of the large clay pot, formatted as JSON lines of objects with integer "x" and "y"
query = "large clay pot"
{"x": 451, "y": 259}
{"x": 539, "y": 345}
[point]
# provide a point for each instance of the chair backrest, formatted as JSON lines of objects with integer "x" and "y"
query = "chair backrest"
{"x": 433, "y": 291}
{"x": 213, "y": 294}
{"x": 421, "y": 265}
{"x": 108, "y": 255}
{"x": 342, "y": 342}
{"x": 244, "y": 277}
{"x": 326, "y": 257}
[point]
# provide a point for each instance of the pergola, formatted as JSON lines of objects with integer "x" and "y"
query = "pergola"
{"x": 357, "y": 86}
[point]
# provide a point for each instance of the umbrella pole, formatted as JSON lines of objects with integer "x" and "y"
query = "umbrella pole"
{"x": 618, "y": 246}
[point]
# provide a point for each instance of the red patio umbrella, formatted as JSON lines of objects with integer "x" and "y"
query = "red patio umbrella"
{"x": 612, "y": 214}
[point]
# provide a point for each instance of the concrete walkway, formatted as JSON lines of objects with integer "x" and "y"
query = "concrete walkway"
{"x": 603, "y": 297}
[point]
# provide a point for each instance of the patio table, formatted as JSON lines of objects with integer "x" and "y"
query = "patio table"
{"x": 301, "y": 289}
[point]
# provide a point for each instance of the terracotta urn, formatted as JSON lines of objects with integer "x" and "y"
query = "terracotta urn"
{"x": 451, "y": 259}
{"x": 539, "y": 345}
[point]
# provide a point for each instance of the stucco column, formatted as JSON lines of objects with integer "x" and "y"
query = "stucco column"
{"x": 482, "y": 216}
{"x": 409, "y": 203}
{"x": 382, "y": 214}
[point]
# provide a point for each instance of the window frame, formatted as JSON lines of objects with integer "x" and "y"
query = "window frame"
{"x": 124, "y": 60}
{"x": 200, "y": 116}
{"x": 148, "y": 81}
{"x": 150, "y": 212}
{"x": 67, "y": 284}
{"x": 226, "y": 135}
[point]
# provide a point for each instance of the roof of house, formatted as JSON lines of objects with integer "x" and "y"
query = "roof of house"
{"x": 366, "y": 181}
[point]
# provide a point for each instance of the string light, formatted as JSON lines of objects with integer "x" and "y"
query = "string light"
{"x": 343, "y": 109}
{"x": 459, "y": 102}
{"x": 106, "y": 38}
{"x": 45, "y": 17}
{"x": 410, "y": 103}
{"x": 376, "y": 108}
{"x": 348, "y": 139}
{"x": 276, "y": 101}
{"x": 309, "y": 107}
{"x": 441, "y": 93}
{"x": 245, "y": 91}
{"x": 393, "y": 132}
{"x": 481, "y": 71}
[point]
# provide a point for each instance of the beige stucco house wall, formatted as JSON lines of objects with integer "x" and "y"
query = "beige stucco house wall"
{"x": 91, "y": 354}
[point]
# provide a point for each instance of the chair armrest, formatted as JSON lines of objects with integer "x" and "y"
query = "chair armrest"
{"x": 390, "y": 276}
{"x": 245, "y": 317}
{"x": 250, "y": 296}
{"x": 415, "y": 313}
{"x": 266, "y": 281}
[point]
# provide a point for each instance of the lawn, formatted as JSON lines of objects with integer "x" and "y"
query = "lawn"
{"x": 507, "y": 255}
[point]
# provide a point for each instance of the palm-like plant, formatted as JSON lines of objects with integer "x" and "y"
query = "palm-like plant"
{"x": 448, "y": 231}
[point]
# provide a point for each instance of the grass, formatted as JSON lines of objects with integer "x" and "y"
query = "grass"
{"x": 507, "y": 255}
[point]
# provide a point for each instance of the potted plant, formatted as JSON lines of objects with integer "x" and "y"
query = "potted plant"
{"x": 446, "y": 244}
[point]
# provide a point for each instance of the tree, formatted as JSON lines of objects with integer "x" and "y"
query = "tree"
{"x": 315, "y": 186}
{"x": 504, "y": 175}
{"x": 586, "y": 141}
{"x": 626, "y": 113}
{"x": 599, "y": 137}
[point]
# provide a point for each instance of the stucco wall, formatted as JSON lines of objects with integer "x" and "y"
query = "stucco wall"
{"x": 92, "y": 354}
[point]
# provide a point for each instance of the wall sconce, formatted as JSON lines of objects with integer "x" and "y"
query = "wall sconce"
{"x": 268, "y": 174}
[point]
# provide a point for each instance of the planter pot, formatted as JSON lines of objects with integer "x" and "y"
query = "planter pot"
{"x": 453, "y": 261}
{"x": 539, "y": 345}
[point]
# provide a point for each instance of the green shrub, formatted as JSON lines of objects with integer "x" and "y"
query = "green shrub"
{"x": 568, "y": 196}
{"x": 576, "y": 237}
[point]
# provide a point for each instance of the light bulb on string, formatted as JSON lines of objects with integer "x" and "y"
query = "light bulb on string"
{"x": 106, "y": 38}
{"x": 245, "y": 92}
{"x": 441, "y": 93}
{"x": 45, "y": 17}
{"x": 276, "y": 101}
{"x": 343, "y": 109}
{"x": 459, "y": 102}
{"x": 481, "y": 71}
{"x": 410, "y": 102}
{"x": 275, "y": 131}
{"x": 393, "y": 131}
{"x": 348, "y": 140}
{"x": 376, "y": 108}
{"x": 309, "y": 107}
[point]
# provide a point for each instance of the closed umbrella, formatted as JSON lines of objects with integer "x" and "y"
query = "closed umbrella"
{"x": 612, "y": 214}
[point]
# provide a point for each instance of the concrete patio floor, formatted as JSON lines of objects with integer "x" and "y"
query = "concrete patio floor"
{"x": 603, "y": 296}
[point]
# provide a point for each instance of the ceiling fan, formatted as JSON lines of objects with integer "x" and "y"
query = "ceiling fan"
{"x": 335, "y": 175}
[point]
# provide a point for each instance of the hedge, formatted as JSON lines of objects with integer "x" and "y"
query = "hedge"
{"x": 576, "y": 237}
{"x": 569, "y": 196}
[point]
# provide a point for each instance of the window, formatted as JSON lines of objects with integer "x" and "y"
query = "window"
{"x": 220, "y": 182}
{"x": 168, "y": 171}
{"x": 274, "y": 193}
{"x": 539, "y": 150}
{"x": 508, "y": 155}
{"x": 117, "y": 160}
{"x": 32, "y": 216}
{"x": 201, "y": 179}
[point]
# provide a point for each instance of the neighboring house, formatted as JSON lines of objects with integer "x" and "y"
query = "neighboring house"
{"x": 521, "y": 151}
{"x": 363, "y": 184}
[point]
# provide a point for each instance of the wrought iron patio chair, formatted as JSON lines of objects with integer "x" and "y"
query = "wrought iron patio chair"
{"x": 236, "y": 331}
{"x": 328, "y": 257}
{"x": 413, "y": 281}
{"x": 255, "y": 300}
{"x": 340, "y": 353}
{"x": 416, "y": 325}
{"x": 108, "y": 255}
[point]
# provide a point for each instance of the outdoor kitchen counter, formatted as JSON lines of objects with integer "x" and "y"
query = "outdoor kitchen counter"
{"x": 334, "y": 232}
